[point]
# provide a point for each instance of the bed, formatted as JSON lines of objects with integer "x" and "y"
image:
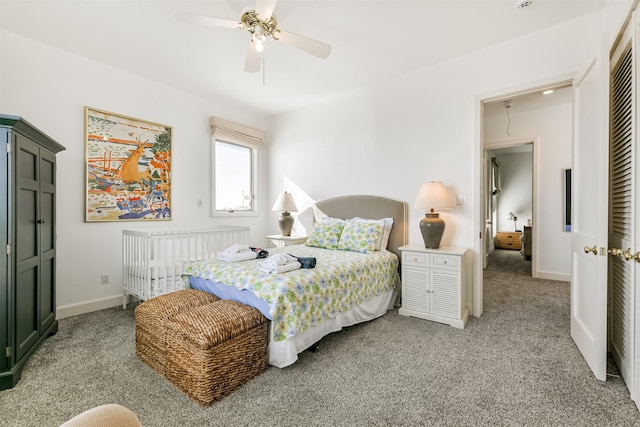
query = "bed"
{"x": 346, "y": 286}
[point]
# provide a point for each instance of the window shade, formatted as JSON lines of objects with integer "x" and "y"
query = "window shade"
{"x": 225, "y": 130}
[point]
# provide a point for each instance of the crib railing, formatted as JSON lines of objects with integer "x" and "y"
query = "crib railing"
{"x": 153, "y": 261}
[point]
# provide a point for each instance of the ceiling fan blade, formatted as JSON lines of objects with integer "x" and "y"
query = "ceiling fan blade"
{"x": 264, "y": 8}
{"x": 314, "y": 47}
{"x": 194, "y": 18}
{"x": 254, "y": 59}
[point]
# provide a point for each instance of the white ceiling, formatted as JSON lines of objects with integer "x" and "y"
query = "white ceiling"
{"x": 372, "y": 40}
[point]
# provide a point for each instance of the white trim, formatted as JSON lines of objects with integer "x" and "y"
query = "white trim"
{"x": 478, "y": 225}
{"x": 88, "y": 307}
{"x": 550, "y": 275}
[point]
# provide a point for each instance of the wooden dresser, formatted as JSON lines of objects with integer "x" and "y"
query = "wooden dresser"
{"x": 508, "y": 240}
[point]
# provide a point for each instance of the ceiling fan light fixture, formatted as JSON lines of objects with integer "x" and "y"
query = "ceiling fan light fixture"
{"x": 258, "y": 38}
{"x": 261, "y": 24}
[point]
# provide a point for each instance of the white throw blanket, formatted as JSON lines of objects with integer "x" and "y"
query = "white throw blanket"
{"x": 234, "y": 249}
{"x": 280, "y": 263}
{"x": 237, "y": 253}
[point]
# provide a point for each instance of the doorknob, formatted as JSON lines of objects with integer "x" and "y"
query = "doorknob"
{"x": 615, "y": 251}
{"x": 594, "y": 249}
{"x": 627, "y": 255}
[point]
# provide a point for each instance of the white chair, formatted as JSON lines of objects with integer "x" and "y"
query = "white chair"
{"x": 110, "y": 415}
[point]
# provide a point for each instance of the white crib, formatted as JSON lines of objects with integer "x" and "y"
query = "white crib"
{"x": 153, "y": 261}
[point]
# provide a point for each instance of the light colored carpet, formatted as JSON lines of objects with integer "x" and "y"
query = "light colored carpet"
{"x": 514, "y": 366}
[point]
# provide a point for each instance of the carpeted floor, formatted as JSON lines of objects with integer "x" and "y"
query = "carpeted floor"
{"x": 514, "y": 366}
{"x": 509, "y": 261}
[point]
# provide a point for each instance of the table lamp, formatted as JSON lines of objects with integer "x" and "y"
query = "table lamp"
{"x": 513, "y": 218}
{"x": 285, "y": 204}
{"x": 432, "y": 196}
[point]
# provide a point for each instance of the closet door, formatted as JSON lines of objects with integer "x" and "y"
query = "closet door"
{"x": 621, "y": 208}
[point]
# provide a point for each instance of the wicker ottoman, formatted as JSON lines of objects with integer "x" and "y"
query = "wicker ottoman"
{"x": 215, "y": 348}
{"x": 151, "y": 318}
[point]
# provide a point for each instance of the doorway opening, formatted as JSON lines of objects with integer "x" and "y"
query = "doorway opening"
{"x": 509, "y": 208}
{"x": 525, "y": 119}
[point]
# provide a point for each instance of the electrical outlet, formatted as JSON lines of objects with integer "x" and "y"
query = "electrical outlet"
{"x": 199, "y": 203}
{"x": 105, "y": 279}
{"x": 460, "y": 200}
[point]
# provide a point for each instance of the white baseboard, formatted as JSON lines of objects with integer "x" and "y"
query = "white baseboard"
{"x": 88, "y": 307}
{"x": 553, "y": 276}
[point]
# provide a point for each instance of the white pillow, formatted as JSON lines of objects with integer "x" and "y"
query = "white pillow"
{"x": 306, "y": 221}
{"x": 317, "y": 213}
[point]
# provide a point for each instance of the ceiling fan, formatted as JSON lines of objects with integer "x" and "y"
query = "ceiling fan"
{"x": 261, "y": 23}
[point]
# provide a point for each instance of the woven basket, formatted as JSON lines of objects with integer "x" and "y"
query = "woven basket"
{"x": 215, "y": 348}
{"x": 151, "y": 317}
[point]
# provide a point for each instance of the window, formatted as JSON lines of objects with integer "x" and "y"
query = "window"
{"x": 233, "y": 178}
{"x": 235, "y": 168}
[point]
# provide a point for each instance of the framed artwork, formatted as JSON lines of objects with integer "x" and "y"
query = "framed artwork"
{"x": 128, "y": 167}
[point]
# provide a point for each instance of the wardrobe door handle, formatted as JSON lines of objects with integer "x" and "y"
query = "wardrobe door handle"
{"x": 40, "y": 221}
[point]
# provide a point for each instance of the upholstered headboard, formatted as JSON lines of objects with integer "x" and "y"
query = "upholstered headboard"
{"x": 373, "y": 207}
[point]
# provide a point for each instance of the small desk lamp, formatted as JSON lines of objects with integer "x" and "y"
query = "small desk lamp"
{"x": 285, "y": 204}
{"x": 432, "y": 196}
{"x": 513, "y": 218}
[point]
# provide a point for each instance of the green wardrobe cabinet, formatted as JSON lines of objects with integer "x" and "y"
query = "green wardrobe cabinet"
{"x": 27, "y": 243}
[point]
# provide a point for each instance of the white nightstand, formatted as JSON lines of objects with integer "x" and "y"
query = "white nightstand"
{"x": 434, "y": 284}
{"x": 280, "y": 241}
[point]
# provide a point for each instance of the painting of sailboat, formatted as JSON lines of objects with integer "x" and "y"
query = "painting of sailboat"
{"x": 128, "y": 168}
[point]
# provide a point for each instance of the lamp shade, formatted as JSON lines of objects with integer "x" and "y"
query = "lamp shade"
{"x": 285, "y": 203}
{"x": 432, "y": 196}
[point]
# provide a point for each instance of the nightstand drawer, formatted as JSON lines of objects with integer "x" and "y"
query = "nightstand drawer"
{"x": 449, "y": 262}
{"x": 415, "y": 258}
{"x": 508, "y": 240}
{"x": 509, "y": 245}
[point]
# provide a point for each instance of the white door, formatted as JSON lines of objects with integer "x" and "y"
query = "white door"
{"x": 589, "y": 213}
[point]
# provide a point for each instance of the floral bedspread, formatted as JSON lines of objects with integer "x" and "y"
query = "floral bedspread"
{"x": 305, "y": 297}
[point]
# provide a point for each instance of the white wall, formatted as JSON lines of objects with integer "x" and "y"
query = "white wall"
{"x": 389, "y": 139}
{"x": 50, "y": 89}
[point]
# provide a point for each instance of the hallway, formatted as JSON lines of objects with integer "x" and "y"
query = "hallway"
{"x": 509, "y": 261}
